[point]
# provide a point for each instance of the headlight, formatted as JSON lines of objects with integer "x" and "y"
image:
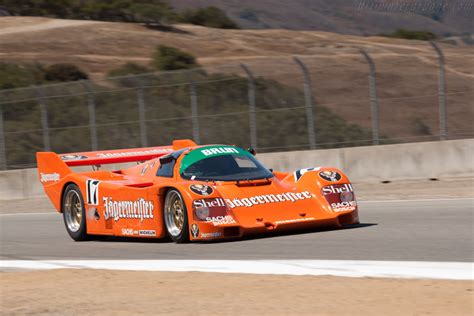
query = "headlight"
{"x": 347, "y": 196}
{"x": 202, "y": 212}
{"x": 209, "y": 207}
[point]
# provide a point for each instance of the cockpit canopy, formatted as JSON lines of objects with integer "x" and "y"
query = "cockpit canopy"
{"x": 222, "y": 163}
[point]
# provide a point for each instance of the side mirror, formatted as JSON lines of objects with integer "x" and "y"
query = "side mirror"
{"x": 166, "y": 159}
{"x": 252, "y": 151}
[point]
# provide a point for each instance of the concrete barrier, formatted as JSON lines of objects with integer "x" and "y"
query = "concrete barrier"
{"x": 446, "y": 159}
{"x": 414, "y": 161}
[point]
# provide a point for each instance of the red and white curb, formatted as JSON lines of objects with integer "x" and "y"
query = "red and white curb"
{"x": 343, "y": 268}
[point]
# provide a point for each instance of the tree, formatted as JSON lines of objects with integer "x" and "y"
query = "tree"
{"x": 210, "y": 17}
{"x": 170, "y": 58}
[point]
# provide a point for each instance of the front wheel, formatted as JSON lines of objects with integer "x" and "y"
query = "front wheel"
{"x": 74, "y": 213}
{"x": 176, "y": 217}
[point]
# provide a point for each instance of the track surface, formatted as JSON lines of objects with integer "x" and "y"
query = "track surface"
{"x": 391, "y": 230}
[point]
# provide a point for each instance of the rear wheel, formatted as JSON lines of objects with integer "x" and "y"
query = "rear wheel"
{"x": 176, "y": 217}
{"x": 74, "y": 213}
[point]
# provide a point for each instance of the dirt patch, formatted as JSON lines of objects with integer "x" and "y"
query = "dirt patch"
{"x": 100, "y": 292}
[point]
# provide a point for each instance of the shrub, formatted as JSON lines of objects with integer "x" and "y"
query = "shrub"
{"x": 412, "y": 35}
{"x": 15, "y": 76}
{"x": 170, "y": 58}
{"x": 151, "y": 13}
{"x": 210, "y": 17}
{"x": 146, "y": 11}
{"x": 64, "y": 72}
{"x": 128, "y": 69}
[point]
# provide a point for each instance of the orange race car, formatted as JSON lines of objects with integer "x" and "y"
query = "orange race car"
{"x": 191, "y": 192}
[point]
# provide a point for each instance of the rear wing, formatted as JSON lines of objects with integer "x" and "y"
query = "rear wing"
{"x": 52, "y": 166}
{"x": 114, "y": 156}
{"x": 121, "y": 155}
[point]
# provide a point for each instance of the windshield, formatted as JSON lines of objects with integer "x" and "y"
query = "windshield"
{"x": 222, "y": 163}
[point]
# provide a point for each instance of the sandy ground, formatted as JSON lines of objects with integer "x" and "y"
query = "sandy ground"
{"x": 402, "y": 190}
{"x": 100, "y": 292}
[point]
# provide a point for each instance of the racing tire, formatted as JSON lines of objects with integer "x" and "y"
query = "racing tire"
{"x": 74, "y": 214}
{"x": 175, "y": 217}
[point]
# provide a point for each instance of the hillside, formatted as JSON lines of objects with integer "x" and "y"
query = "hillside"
{"x": 407, "y": 70}
{"x": 343, "y": 16}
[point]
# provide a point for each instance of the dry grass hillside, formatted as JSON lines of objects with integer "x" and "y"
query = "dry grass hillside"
{"x": 359, "y": 17}
{"x": 406, "y": 69}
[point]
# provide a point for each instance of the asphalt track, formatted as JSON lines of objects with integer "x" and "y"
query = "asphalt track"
{"x": 419, "y": 230}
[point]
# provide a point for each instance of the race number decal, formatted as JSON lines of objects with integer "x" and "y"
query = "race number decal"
{"x": 299, "y": 173}
{"x": 93, "y": 192}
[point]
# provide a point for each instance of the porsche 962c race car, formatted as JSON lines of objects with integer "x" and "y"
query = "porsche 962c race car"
{"x": 189, "y": 192}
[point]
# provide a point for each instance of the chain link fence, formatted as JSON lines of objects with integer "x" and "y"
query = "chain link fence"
{"x": 271, "y": 104}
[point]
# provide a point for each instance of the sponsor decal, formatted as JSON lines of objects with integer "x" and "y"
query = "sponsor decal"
{"x": 195, "y": 230}
{"x": 201, "y": 189}
{"x": 133, "y": 153}
{"x": 299, "y": 173}
{"x": 92, "y": 192}
{"x": 219, "y": 150}
{"x": 337, "y": 189}
{"x": 268, "y": 198}
{"x": 296, "y": 220}
{"x": 204, "y": 208}
{"x": 344, "y": 206}
{"x": 340, "y": 197}
{"x": 221, "y": 220}
{"x": 127, "y": 231}
{"x": 217, "y": 202}
{"x": 146, "y": 232}
{"x": 332, "y": 176}
{"x": 211, "y": 235}
{"x": 140, "y": 209}
{"x": 72, "y": 157}
{"x": 49, "y": 177}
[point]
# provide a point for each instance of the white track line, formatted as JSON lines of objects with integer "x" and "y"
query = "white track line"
{"x": 344, "y": 268}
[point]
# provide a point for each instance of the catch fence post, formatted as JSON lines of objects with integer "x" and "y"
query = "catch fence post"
{"x": 308, "y": 96}
{"x": 44, "y": 118}
{"x": 194, "y": 112}
{"x": 252, "y": 106}
{"x": 443, "y": 124}
{"x": 141, "y": 112}
{"x": 92, "y": 119}
{"x": 3, "y": 153}
{"x": 374, "y": 104}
